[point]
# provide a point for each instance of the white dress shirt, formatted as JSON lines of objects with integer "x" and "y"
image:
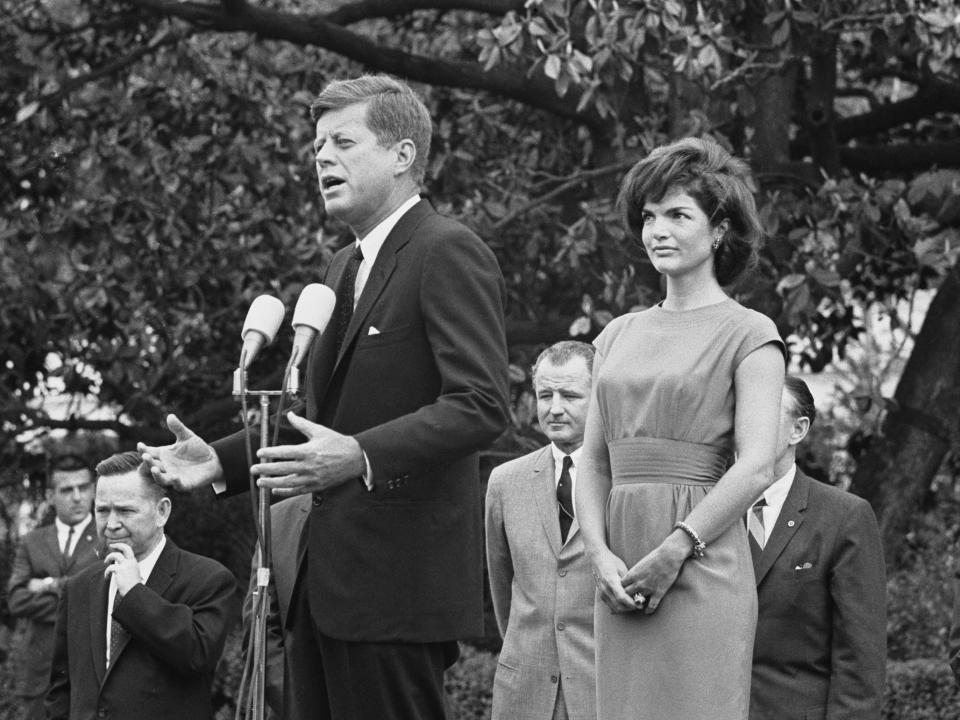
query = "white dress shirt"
{"x": 371, "y": 243}
{"x": 63, "y": 532}
{"x": 146, "y": 567}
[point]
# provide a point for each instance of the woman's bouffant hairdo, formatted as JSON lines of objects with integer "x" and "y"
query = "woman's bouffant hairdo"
{"x": 719, "y": 182}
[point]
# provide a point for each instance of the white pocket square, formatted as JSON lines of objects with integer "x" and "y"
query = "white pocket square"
{"x": 372, "y": 331}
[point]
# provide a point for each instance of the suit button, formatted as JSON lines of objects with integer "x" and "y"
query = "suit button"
{"x": 554, "y": 679}
{"x": 562, "y": 573}
{"x": 561, "y": 625}
{"x": 317, "y": 499}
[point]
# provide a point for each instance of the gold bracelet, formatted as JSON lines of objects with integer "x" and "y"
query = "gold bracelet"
{"x": 699, "y": 546}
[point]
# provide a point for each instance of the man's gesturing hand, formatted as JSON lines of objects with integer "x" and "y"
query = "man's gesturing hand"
{"x": 187, "y": 464}
{"x": 325, "y": 460}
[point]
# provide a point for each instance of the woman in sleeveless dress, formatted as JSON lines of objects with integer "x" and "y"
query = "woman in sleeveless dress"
{"x": 679, "y": 443}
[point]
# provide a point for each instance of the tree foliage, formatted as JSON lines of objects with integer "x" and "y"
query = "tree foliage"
{"x": 157, "y": 174}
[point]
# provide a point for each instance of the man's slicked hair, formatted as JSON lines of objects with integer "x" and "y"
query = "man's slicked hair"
{"x": 563, "y": 352}
{"x": 127, "y": 462}
{"x": 394, "y": 112}
{"x": 803, "y": 405}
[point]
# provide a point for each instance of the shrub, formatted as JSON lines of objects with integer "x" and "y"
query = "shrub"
{"x": 921, "y": 690}
{"x": 469, "y": 684}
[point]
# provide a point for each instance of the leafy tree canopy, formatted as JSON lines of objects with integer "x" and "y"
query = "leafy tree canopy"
{"x": 157, "y": 175}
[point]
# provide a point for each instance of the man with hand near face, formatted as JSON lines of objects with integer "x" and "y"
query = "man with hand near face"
{"x": 541, "y": 581}
{"x": 405, "y": 387}
{"x": 45, "y": 558}
{"x": 139, "y": 636}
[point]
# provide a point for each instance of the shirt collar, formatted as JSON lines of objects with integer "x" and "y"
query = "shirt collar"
{"x": 776, "y": 494}
{"x": 371, "y": 243}
{"x": 148, "y": 563}
{"x": 559, "y": 454}
{"x": 63, "y": 529}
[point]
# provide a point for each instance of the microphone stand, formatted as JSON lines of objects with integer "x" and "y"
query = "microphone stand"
{"x": 250, "y": 697}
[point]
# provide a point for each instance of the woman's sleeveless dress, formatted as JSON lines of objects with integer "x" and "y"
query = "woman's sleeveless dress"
{"x": 665, "y": 394}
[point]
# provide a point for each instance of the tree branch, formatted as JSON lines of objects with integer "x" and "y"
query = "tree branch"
{"x": 575, "y": 181}
{"x": 124, "y": 61}
{"x": 905, "y": 157}
{"x": 937, "y": 96}
{"x": 318, "y": 31}
{"x": 366, "y": 9}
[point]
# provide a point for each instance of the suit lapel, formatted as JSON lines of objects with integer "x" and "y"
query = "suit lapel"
{"x": 790, "y": 520}
{"x": 544, "y": 489}
{"x": 160, "y": 578}
{"x": 52, "y": 546}
{"x": 85, "y": 548}
{"x": 382, "y": 269}
{"x": 98, "y": 625}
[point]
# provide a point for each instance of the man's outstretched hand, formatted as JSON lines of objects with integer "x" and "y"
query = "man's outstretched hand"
{"x": 187, "y": 464}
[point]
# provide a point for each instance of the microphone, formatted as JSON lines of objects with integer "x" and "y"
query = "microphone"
{"x": 260, "y": 328}
{"x": 310, "y": 317}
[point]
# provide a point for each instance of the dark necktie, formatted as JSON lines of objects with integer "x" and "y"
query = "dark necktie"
{"x": 565, "y": 497}
{"x": 755, "y": 523}
{"x": 117, "y": 637}
{"x": 345, "y": 295}
{"x": 66, "y": 546}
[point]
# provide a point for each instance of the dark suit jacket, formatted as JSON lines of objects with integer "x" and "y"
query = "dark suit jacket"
{"x": 177, "y": 622}
{"x": 422, "y": 393}
{"x": 287, "y": 521}
{"x": 38, "y": 556}
{"x": 820, "y": 648}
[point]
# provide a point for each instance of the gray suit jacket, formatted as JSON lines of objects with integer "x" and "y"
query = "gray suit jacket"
{"x": 38, "y": 556}
{"x": 543, "y": 596}
{"x": 820, "y": 649}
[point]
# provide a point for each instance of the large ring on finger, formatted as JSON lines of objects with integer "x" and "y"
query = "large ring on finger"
{"x": 640, "y": 599}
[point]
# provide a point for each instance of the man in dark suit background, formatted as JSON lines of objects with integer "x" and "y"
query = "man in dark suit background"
{"x": 139, "y": 639}
{"x": 820, "y": 648}
{"x": 44, "y": 559}
{"x": 288, "y": 519}
{"x": 401, "y": 394}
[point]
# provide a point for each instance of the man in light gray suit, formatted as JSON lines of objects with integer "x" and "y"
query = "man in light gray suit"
{"x": 540, "y": 578}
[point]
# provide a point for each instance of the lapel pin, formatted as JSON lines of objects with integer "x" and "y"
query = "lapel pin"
{"x": 790, "y": 523}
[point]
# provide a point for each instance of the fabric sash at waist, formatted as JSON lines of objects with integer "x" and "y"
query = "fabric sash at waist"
{"x": 647, "y": 459}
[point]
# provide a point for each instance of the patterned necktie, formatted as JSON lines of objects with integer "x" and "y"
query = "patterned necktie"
{"x": 118, "y": 635}
{"x": 755, "y": 522}
{"x": 565, "y": 497}
{"x": 345, "y": 296}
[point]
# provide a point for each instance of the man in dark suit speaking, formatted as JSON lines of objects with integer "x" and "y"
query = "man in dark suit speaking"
{"x": 404, "y": 389}
{"x": 820, "y": 648}
{"x": 140, "y": 638}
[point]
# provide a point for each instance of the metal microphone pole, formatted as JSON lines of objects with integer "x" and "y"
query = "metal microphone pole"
{"x": 250, "y": 704}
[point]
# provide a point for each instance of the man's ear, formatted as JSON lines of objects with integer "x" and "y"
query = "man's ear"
{"x": 406, "y": 154}
{"x": 163, "y": 510}
{"x": 801, "y": 426}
